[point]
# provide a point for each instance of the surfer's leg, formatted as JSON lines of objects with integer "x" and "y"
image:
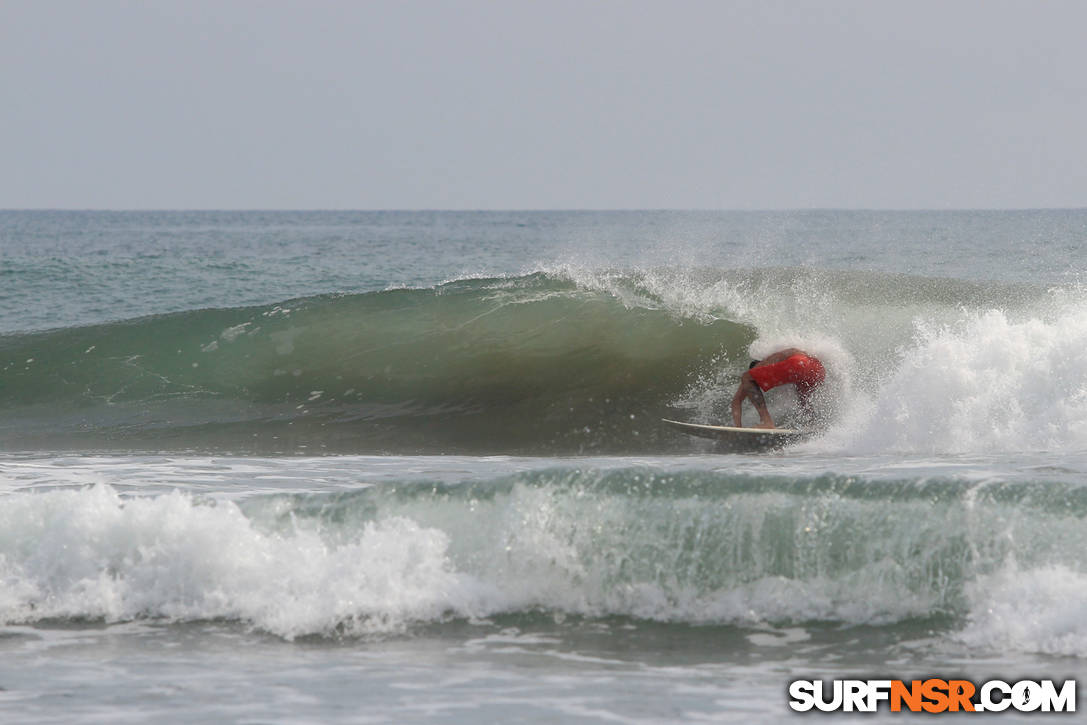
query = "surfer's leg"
{"x": 750, "y": 390}
{"x": 806, "y": 411}
{"x": 757, "y": 399}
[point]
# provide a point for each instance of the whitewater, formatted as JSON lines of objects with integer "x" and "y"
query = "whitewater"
{"x": 406, "y": 466}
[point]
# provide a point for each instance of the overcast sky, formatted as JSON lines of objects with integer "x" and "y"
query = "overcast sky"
{"x": 542, "y": 105}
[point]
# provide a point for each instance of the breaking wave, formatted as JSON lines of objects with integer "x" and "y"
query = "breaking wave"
{"x": 559, "y": 362}
{"x": 696, "y": 547}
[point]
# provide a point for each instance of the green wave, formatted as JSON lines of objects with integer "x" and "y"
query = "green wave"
{"x": 531, "y": 364}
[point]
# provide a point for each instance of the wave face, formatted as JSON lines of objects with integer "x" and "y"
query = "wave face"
{"x": 529, "y": 364}
{"x": 695, "y": 547}
{"x": 558, "y": 362}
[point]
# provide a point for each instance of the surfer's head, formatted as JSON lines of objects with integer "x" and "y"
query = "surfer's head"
{"x": 753, "y": 364}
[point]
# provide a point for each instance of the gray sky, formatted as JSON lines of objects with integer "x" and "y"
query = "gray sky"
{"x": 540, "y": 105}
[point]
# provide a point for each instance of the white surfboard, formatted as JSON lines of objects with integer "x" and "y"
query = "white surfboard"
{"x": 741, "y": 438}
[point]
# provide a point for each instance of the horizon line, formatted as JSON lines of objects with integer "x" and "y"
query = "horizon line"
{"x": 537, "y": 210}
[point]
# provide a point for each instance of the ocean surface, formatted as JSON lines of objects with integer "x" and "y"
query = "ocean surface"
{"x": 392, "y": 467}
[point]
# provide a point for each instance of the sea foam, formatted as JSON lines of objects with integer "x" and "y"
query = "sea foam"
{"x": 694, "y": 547}
{"x": 91, "y": 554}
{"x": 991, "y": 381}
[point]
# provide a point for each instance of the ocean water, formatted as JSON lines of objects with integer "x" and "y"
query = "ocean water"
{"x": 369, "y": 467}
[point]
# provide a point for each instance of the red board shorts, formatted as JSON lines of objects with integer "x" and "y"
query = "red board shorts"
{"x": 805, "y": 372}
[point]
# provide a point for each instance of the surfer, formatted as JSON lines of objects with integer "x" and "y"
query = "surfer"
{"x": 787, "y": 366}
